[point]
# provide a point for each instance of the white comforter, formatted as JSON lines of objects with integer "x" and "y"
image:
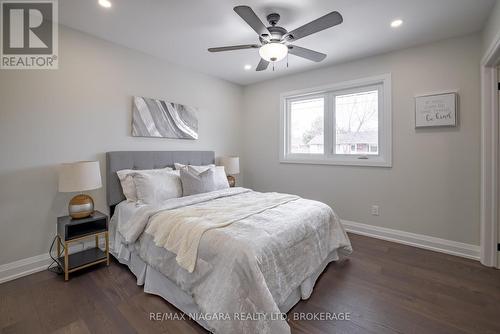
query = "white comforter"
{"x": 248, "y": 259}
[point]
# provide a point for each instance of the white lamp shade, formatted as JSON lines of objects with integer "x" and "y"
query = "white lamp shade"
{"x": 79, "y": 176}
{"x": 231, "y": 165}
{"x": 273, "y": 51}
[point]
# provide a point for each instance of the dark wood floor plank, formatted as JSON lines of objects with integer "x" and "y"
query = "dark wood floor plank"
{"x": 29, "y": 324}
{"x": 370, "y": 309}
{"x": 50, "y": 299}
{"x": 96, "y": 307}
{"x": 76, "y": 327}
{"x": 16, "y": 304}
{"x": 385, "y": 287}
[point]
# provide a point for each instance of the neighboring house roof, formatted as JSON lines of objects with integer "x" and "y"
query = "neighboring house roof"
{"x": 367, "y": 137}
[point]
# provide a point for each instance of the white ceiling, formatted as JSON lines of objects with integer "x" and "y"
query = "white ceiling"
{"x": 180, "y": 31}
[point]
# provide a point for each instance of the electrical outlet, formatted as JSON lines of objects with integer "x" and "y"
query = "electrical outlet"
{"x": 375, "y": 210}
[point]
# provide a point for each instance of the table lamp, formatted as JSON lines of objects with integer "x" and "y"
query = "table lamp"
{"x": 232, "y": 167}
{"x": 79, "y": 177}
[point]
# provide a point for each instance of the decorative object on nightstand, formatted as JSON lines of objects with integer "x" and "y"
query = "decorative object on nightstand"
{"x": 70, "y": 230}
{"x": 232, "y": 167}
{"x": 78, "y": 177}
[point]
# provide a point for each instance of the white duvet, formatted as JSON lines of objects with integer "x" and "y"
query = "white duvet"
{"x": 241, "y": 253}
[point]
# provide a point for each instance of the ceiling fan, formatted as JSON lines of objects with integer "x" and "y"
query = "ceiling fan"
{"x": 276, "y": 41}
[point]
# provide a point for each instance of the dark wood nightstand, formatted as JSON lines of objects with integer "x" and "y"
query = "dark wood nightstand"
{"x": 75, "y": 230}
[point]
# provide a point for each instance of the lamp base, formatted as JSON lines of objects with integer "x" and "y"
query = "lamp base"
{"x": 231, "y": 180}
{"x": 81, "y": 206}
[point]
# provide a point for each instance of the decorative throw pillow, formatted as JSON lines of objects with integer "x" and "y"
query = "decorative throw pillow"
{"x": 155, "y": 188}
{"x": 221, "y": 181}
{"x": 199, "y": 169}
{"x": 127, "y": 180}
{"x": 194, "y": 182}
{"x": 219, "y": 175}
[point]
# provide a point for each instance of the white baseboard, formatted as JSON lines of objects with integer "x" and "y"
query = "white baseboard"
{"x": 11, "y": 271}
{"x": 413, "y": 239}
{"x": 24, "y": 267}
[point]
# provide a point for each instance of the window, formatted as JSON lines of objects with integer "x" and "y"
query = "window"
{"x": 306, "y": 126}
{"x": 356, "y": 122}
{"x": 345, "y": 124}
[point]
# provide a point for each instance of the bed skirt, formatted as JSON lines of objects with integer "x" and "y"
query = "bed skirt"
{"x": 158, "y": 284}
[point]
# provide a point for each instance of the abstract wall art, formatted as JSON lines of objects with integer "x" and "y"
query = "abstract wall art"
{"x": 162, "y": 119}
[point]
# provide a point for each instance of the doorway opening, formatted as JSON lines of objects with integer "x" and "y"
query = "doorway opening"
{"x": 490, "y": 153}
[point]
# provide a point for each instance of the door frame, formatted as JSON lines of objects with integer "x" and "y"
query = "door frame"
{"x": 490, "y": 155}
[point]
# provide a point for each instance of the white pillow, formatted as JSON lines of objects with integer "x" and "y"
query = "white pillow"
{"x": 194, "y": 182}
{"x": 127, "y": 180}
{"x": 155, "y": 188}
{"x": 219, "y": 174}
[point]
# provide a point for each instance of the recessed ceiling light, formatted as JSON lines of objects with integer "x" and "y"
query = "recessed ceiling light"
{"x": 247, "y": 67}
{"x": 105, "y": 3}
{"x": 397, "y": 23}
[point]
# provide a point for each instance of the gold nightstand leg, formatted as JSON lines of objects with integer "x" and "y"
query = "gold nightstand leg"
{"x": 107, "y": 248}
{"x": 58, "y": 240}
{"x": 66, "y": 274}
{"x": 97, "y": 240}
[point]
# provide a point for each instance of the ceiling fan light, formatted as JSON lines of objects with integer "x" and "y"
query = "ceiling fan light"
{"x": 273, "y": 52}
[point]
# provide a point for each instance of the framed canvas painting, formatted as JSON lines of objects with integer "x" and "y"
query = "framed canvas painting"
{"x": 163, "y": 119}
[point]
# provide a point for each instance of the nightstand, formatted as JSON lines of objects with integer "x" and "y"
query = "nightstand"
{"x": 76, "y": 230}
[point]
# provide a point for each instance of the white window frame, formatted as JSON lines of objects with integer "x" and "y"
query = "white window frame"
{"x": 329, "y": 157}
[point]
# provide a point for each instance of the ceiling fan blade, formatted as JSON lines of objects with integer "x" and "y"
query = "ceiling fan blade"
{"x": 324, "y": 22}
{"x": 247, "y": 14}
{"x": 234, "y": 47}
{"x": 262, "y": 65}
{"x": 306, "y": 53}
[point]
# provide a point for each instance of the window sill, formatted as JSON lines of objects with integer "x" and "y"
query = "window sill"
{"x": 370, "y": 162}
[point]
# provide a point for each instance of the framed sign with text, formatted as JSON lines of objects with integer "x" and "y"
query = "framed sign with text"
{"x": 436, "y": 110}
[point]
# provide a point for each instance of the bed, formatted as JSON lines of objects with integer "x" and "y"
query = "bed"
{"x": 240, "y": 277}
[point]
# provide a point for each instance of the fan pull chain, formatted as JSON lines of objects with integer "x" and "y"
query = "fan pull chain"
{"x": 273, "y": 66}
{"x": 287, "y": 60}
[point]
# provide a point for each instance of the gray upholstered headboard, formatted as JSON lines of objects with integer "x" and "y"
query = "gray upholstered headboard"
{"x": 116, "y": 161}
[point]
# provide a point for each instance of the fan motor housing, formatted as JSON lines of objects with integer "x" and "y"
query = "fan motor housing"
{"x": 277, "y": 33}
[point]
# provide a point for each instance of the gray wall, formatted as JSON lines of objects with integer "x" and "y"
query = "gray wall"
{"x": 433, "y": 186}
{"x": 81, "y": 111}
{"x": 492, "y": 28}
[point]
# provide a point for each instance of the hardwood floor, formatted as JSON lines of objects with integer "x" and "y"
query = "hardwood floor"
{"x": 385, "y": 287}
